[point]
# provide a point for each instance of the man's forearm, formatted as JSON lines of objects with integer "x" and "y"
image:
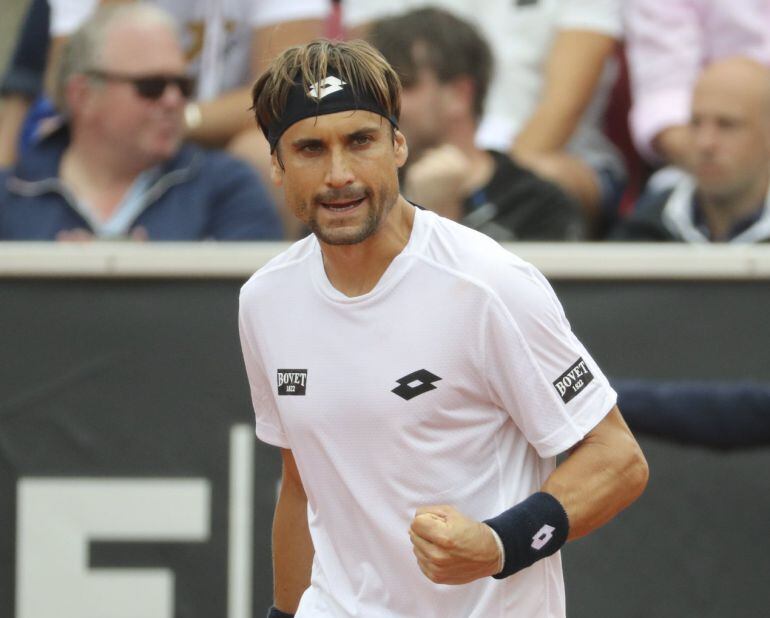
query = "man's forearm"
{"x": 219, "y": 120}
{"x": 292, "y": 546}
{"x": 13, "y": 109}
{"x": 673, "y": 144}
{"x": 223, "y": 118}
{"x": 603, "y": 475}
{"x": 573, "y": 70}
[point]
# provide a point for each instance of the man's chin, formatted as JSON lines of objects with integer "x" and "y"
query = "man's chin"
{"x": 342, "y": 236}
{"x": 163, "y": 152}
{"x": 711, "y": 183}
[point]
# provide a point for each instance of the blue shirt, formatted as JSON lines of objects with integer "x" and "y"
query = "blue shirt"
{"x": 196, "y": 195}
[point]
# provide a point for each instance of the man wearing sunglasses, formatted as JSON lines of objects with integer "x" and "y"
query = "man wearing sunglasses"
{"x": 118, "y": 167}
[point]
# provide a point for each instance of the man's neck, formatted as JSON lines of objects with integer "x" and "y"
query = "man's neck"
{"x": 97, "y": 176}
{"x": 723, "y": 213}
{"x": 355, "y": 269}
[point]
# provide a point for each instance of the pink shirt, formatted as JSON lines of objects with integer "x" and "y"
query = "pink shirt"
{"x": 670, "y": 41}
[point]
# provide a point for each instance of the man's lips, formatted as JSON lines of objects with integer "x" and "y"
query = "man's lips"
{"x": 342, "y": 205}
{"x": 708, "y": 169}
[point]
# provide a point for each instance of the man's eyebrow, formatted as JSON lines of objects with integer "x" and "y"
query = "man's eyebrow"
{"x": 365, "y": 131}
{"x": 306, "y": 141}
{"x": 314, "y": 141}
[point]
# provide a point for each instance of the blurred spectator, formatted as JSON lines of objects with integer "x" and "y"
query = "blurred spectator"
{"x": 445, "y": 66}
{"x": 118, "y": 168}
{"x": 228, "y": 44}
{"x": 22, "y": 82}
{"x": 555, "y": 70}
{"x": 668, "y": 43}
{"x": 725, "y": 199}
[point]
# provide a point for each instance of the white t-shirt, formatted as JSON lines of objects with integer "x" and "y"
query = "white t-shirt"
{"x": 216, "y": 34}
{"x": 443, "y": 385}
{"x": 520, "y": 35}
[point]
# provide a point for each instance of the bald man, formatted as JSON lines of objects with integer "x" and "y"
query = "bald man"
{"x": 725, "y": 198}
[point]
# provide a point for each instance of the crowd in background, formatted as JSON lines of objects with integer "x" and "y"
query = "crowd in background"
{"x": 530, "y": 120}
{"x": 526, "y": 119}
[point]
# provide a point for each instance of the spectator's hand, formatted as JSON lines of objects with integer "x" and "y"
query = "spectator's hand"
{"x": 75, "y": 235}
{"x": 452, "y": 548}
{"x": 138, "y": 234}
{"x": 437, "y": 181}
{"x": 675, "y": 146}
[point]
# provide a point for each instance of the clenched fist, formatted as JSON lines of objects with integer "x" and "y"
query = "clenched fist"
{"x": 452, "y": 548}
{"x": 437, "y": 181}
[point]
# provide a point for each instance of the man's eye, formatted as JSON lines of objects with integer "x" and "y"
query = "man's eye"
{"x": 311, "y": 148}
{"x": 362, "y": 140}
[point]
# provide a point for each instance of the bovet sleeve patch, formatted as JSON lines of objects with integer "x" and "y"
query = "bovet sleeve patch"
{"x": 292, "y": 381}
{"x": 575, "y": 379}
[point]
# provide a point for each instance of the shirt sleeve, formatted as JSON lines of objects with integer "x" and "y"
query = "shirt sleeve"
{"x": 24, "y": 75}
{"x": 267, "y": 419}
{"x": 242, "y": 208}
{"x": 538, "y": 371}
{"x": 270, "y": 12}
{"x": 67, "y": 15}
{"x": 358, "y": 12}
{"x": 603, "y": 16}
{"x": 664, "y": 47}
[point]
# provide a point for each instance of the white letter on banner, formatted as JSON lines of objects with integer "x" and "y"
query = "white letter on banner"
{"x": 58, "y": 517}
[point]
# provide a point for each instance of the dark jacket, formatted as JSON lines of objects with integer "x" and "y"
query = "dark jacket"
{"x": 672, "y": 215}
{"x": 199, "y": 195}
{"x": 518, "y": 205}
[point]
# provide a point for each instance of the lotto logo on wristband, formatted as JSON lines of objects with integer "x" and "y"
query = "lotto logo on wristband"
{"x": 574, "y": 380}
{"x": 542, "y": 537}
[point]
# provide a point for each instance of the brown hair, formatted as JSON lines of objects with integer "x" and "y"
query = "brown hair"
{"x": 437, "y": 40}
{"x": 355, "y": 62}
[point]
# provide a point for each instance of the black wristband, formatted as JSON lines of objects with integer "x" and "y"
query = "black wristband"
{"x": 277, "y": 613}
{"x": 531, "y": 530}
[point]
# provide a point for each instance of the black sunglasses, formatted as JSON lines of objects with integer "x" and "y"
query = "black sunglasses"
{"x": 149, "y": 86}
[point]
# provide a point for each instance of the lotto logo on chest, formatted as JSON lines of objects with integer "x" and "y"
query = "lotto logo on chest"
{"x": 574, "y": 380}
{"x": 292, "y": 381}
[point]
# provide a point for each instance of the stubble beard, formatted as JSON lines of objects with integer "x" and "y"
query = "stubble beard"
{"x": 724, "y": 195}
{"x": 328, "y": 236}
{"x": 376, "y": 213}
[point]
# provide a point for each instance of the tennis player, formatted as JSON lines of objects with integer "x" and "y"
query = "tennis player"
{"x": 419, "y": 379}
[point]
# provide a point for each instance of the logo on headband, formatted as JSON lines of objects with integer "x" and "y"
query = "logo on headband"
{"x": 327, "y": 86}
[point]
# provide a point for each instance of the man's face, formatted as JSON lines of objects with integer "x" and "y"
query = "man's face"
{"x": 423, "y": 119}
{"x": 340, "y": 173}
{"x": 731, "y": 136}
{"x": 149, "y": 131}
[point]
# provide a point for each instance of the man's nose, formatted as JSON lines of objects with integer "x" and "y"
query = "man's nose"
{"x": 705, "y": 137}
{"x": 172, "y": 96}
{"x": 339, "y": 173}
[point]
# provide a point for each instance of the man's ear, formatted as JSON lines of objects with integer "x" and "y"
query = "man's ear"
{"x": 400, "y": 148}
{"x": 276, "y": 169}
{"x": 76, "y": 91}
